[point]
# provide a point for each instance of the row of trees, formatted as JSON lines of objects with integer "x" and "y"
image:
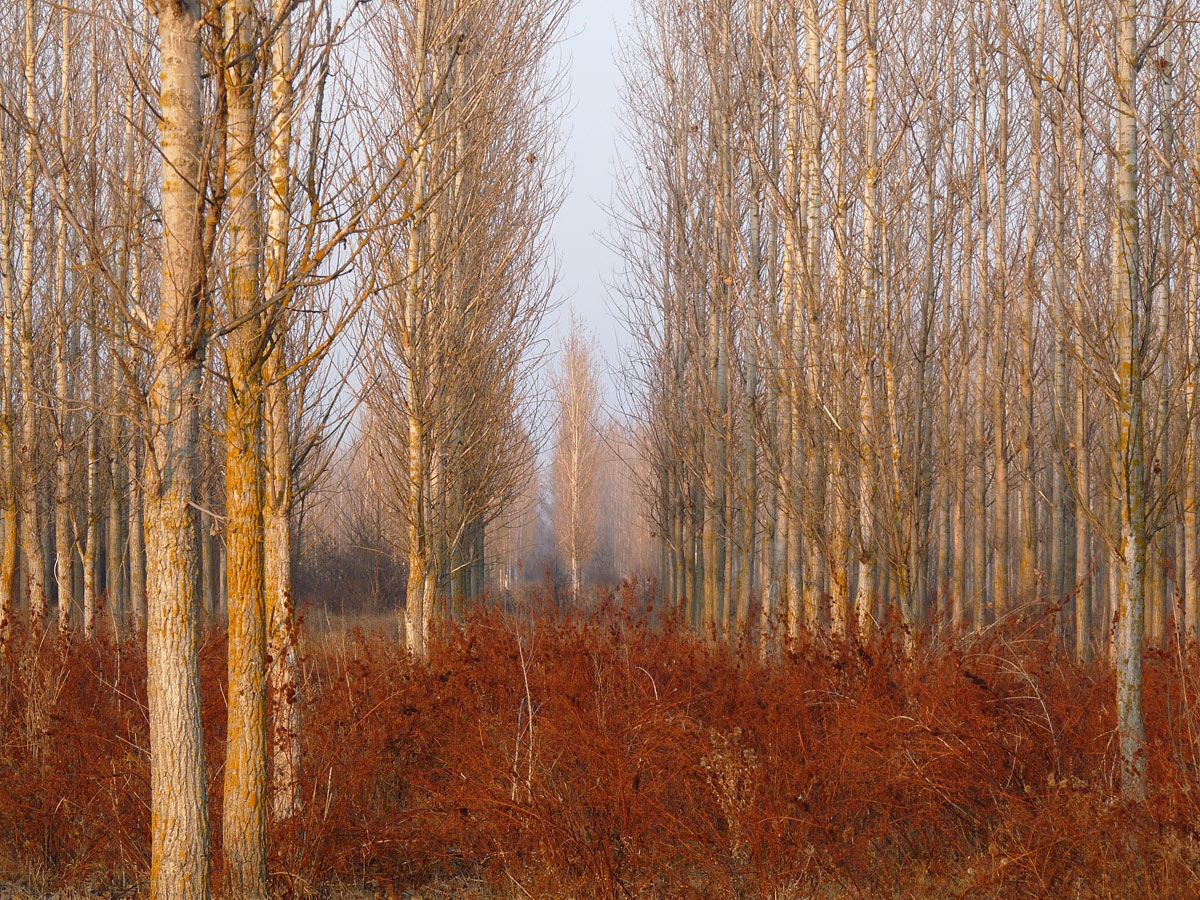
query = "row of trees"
{"x": 464, "y": 277}
{"x": 915, "y": 294}
{"x": 193, "y": 209}
{"x": 155, "y": 252}
{"x": 571, "y": 510}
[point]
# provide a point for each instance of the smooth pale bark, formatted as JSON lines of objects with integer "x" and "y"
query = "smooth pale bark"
{"x": 1060, "y": 564}
{"x": 1001, "y": 596}
{"x": 34, "y": 562}
{"x": 839, "y": 488}
{"x": 277, "y": 510}
{"x": 137, "y": 445}
{"x": 979, "y": 541}
{"x": 788, "y": 538}
{"x": 92, "y": 499}
{"x": 420, "y": 567}
{"x": 137, "y": 539}
{"x": 743, "y": 590}
{"x": 114, "y": 559}
{"x": 179, "y": 855}
{"x": 864, "y": 601}
{"x": 1160, "y": 557}
{"x": 911, "y": 566}
{"x": 1129, "y": 336}
{"x": 244, "y": 821}
{"x": 1085, "y": 579}
{"x": 708, "y": 534}
{"x": 64, "y": 545}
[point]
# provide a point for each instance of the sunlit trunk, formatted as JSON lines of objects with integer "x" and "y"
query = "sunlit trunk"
{"x": 34, "y": 563}
{"x": 178, "y": 785}
{"x": 277, "y": 510}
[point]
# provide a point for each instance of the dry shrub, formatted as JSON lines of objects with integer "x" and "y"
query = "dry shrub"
{"x": 606, "y": 755}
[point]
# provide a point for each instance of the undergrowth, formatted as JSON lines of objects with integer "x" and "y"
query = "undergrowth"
{"x": 605, "y": 755}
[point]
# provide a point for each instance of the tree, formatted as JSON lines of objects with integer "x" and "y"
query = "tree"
{"x": 577, "y": 452}
{"x": 462, "y": 248}
{"x": 179, "y": 796}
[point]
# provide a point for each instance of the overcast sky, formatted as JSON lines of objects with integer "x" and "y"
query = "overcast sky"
{"x": 590, "y": 50}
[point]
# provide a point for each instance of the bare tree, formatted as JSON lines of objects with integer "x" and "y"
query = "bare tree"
{"x": 575, "y": 464}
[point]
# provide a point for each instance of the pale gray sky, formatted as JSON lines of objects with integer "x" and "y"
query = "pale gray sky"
{"x": 587, "y": 264}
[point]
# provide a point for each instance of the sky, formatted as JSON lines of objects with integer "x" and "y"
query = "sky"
{"x": 585, "y": 263}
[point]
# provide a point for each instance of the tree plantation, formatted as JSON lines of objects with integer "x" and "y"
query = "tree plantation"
{"x": 330, "y": 566}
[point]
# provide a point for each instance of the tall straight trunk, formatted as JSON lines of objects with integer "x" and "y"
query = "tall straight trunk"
{"x": 709, "y": 537}
{"x": 1191, "y": 503}
{"x": 123, "y": 473}
{"x": 1001, "y": 596}
{"x": 91, "y": 545}
{"x": 1130, "y": 416}
{"x": 1159, "y": 559}
{"x": 679, "y": 504}
{"x": 962, "y": 391}
{"x": 866, "y": 410}
{"x": 1086, "y": 594}
{"x": 1027, "y": 561}
{"x": 420, "y": 565}
{"x": 8, "y": 482}
{"x": 1084, "y": 581}
{"x": 979, "y": 543}
{"x": 912, "y": 568}
{"x": 814, "y": 365}
{"x": 244, "y": 819}
{"x": 796, "y": 548}
{"x": 179, "y": 858}
{"x": 839, "y": 544}
{"x": 64, "y": 545}
{"x": 137, "y": 448}
{"x": 114, "y": 534}
{"x": 744, "y": 593}
{"x": 34, "y": 563}
{"x": 95, "y": 504}
{"x": 137, "y": 539}
{"x": 277, "y": 510}
{"x": 691, "y": 588}
{"x": 979, "y": 566}
{"x": 1060, "y": 567}
{"x": 1188, "y": 559}
{"x": 788, "y": 535}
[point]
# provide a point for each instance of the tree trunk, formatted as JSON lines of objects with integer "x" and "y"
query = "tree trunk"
{"x": 179, "y": 857}
{"x": 1130, "y": 418}
{"x": 244, "y": 821}
{"x": 866, "y": 417}
{"x": 34, "y": 563}
{"x": 277, "y": 512}
{"x": 64, "y": 545}
{"x": 8, "y": 482}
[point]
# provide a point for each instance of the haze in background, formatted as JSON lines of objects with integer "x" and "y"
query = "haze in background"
{"x": 586, "y": 264}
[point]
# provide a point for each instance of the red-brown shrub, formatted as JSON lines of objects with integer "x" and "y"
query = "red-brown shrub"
{"x": 600, "y": 755}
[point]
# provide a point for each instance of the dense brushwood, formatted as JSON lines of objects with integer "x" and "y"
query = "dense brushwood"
{"x": 611, "y": 754}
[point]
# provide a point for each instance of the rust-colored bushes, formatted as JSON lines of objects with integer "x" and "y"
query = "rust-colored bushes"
{"x": 600, "y": 755}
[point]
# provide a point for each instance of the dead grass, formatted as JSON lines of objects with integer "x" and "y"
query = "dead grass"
{"x": 558, "y": 755}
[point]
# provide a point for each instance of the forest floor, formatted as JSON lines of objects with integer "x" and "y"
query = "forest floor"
{"x": 610, "y": 754}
